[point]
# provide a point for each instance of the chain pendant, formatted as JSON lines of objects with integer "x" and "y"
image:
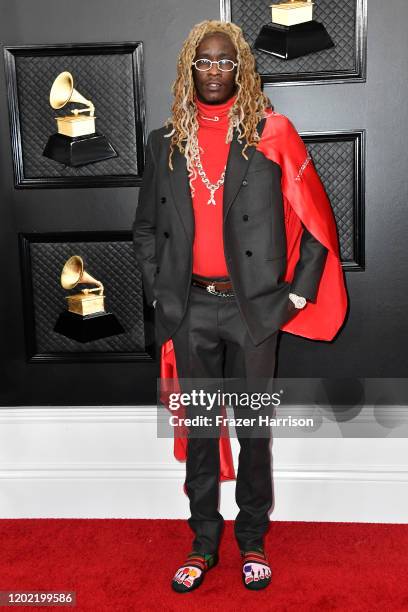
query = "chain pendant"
{"x": 211, "y": 200}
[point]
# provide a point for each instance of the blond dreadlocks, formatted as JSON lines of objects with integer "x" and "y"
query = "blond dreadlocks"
{"x": 249, "y": 106}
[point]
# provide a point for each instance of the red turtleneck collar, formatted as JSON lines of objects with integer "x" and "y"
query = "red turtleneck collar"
{"x": 214, "y": 110}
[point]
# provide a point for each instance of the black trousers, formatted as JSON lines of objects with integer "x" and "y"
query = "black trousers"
{"x": 212, "y": 342}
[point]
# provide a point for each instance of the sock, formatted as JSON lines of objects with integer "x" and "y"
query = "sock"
{"x": 187, "y": 575}
{"x": 256, "y": 569}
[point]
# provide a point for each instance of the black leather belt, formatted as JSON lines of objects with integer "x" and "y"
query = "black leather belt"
{"x": 216, "y": 287}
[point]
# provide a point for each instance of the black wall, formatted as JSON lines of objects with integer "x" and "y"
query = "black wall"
{"x": 373, "y": 341}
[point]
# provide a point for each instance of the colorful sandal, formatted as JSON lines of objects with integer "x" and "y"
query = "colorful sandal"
{"x": 256, "y": 571}
{"x": 191, "y": 575}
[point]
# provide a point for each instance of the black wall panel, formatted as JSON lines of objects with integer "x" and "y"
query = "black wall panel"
{"x": 371, "y": 179}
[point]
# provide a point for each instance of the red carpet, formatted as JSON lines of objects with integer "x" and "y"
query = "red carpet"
{"x": 120, "y": 565}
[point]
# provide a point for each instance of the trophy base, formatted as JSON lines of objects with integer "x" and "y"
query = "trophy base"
{"x": 288, "y": 42}
{"x": 89, "y": 327}
{"x": 83, "y": 304}
{"x": 78, "y": 150}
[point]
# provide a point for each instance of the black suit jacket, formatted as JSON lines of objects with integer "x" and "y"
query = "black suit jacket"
{"x": 254, "y": 239}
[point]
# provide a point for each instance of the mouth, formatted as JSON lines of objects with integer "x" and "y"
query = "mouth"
{"x": 213, "y": 86}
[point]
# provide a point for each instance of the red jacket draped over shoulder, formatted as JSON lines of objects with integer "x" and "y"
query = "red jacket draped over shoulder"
{"x": 305, "y": 201}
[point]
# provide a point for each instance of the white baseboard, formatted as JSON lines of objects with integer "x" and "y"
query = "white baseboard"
{"x": 107, "y": 462}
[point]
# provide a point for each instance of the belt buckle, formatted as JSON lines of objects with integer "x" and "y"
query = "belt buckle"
{"x": 212, "y": 289}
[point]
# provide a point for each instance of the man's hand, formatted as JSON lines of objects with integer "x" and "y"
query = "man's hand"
{"x": 154, "y": 303}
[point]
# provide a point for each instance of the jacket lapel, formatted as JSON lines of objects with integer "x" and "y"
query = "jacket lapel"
{"x": 237, "y": 167}
{"x": 181, "y": 191}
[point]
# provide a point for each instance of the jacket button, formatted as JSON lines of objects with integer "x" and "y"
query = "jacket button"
{"x": 245, "y": 182}
{"x": 162, "y": 199}
{"x": 166, "y": 234}
{"x": 249, "y": 253}
{"x": 245, "y": 217}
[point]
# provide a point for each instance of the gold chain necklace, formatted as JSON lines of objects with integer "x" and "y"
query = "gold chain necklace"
{"x": 210, "y": 186}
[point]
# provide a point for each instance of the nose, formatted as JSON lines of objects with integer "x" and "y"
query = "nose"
{"x": 214, "y": 70}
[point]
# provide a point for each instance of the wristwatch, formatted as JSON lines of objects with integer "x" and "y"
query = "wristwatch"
{"x": 299, "y": 301}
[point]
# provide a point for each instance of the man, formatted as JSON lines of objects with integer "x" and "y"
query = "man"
{"x": 236, "y": 240}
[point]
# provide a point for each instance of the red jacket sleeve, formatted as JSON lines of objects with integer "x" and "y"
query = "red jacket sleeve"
{"x": 305, "y": 201}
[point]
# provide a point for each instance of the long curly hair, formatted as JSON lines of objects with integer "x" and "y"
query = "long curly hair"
{"x": 244, "y": 115}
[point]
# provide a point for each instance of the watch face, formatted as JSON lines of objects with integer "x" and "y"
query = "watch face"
{"x": 297, "y": 300}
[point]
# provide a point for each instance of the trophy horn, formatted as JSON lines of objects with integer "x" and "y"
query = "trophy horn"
{"x": 63, "y": 91}
{"x": 73, "y": 273}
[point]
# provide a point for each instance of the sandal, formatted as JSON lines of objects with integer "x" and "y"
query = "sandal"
{"x": 256, "y": 571}
{"x": 190, "y": 575}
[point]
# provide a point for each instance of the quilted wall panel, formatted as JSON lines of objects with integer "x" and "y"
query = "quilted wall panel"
{"x": 335, "y": 164}
{"x": 107, "y": 79}
{"x": 113, "y": 263}
{"x": 339, "y": 18}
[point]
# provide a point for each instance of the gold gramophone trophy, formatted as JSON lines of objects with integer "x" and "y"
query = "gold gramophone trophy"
{"x": 85, "y": 302}
{"x": 85, "y": 318}
{"x": 293, "y": 31}
{"x": 76, "y": 142}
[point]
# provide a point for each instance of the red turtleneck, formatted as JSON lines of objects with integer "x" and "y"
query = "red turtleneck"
{"x": 208, "y": 246}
